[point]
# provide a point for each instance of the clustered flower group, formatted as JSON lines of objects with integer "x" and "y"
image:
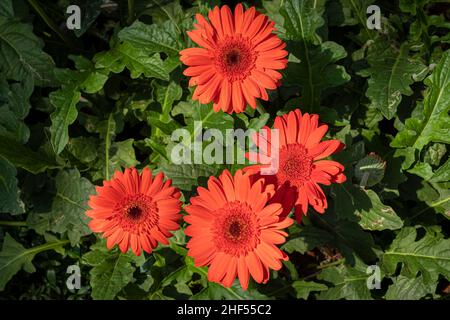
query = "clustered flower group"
{"x": 237, "y": 221}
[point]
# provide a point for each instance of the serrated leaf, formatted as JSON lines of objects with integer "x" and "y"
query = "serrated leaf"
{"x": 309, "y": 238}
{"x": 356, "y": 204}
{"x": 316, "y": 70}
{"x": 22, "y": 157}
{"x": 166, "y": 96}
{"x": 14, "y": 108}
{"x": 442, "y": 173}
{"x": 69, "y": 205}
{"x": 123, "y": 155}
{"x": 349, "y": 282}
{"x": 347, "y": 236}
{"x": 87, "y": 77}
{"x": 83, "y": 148}
{"x": 435, "y": 153}
{"x": 302, "y": 18}
{"x": 405, "y": 288}
{"x": 304, "y": 288}
{"x": 6, "y": 9}
{"x": 10, "y": 201}
{"x": 391, "y": 73}
{"x": 153, "y": 38}
{"x": 205, "y": 115}
{"x": 434, "y": 124}
{"x": 134, "y": 59}
{"x": 21, "y": 54}
{"x": 15, "y": 257}
{"x": 111, "y": 272}
{"x": 348, "y": 12}
{"x": 186, "y": 176}
{"x": 65, "y": 102}
{"x": 430, "y": 255}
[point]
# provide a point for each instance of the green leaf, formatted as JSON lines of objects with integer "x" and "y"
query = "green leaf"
{"x": 88, "y": 79}
{"x": 391, "y": 73}
{"x": 166, "y": 96}
{"x": 9, "y": 191}
{"x": 123, "y": 155}
{"x": 153, "y": 38}
{"x": 194, "y": 111}
{"x": 347, "y": 236}
{"x": 186, "y": 176}
{"x": 302, "y": 18}
{"x": 83, "y": 148}
{"x": 15, "y": 257}
{"x": 111, "y": 272}
{"x": 6, "y": 9}
{"x": 370, "y": 170}
{"x": 348, "y": 12}
{"x": 90, "y": 10}
{"x": 434, "y": 154}
{"x": 304, "y": 288}
{"x": 316, "y": 70}
{"x": 434, "y": 123}
{"x": 364, "y": 206}
{"x": 309, "y": 238}
{"x": 423, "y": 170}
{"x": 21, "y": 55}
{"x": 162, "y": 12}
{"x": 134, "y": 59}
{"x": 442, "y": 173}
{"x": 69, "y": 205}
{"x": 22, "y": 157}
{"x": 65, "y": 102}
{"x": 14, "y": 108}
{"x": 429, "y": 255}
{"x": 436, "y": 196}
{"x": 349, "y": 282}
{"x": 405, "y": 288}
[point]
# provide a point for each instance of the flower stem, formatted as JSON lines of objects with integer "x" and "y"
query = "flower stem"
{"x": 48, "y": 246}
{"x": 130, "y": 11}
{"x": 107, "y": 146}
{"x": 260, "y": 109}
{"x": 13, "y": 223}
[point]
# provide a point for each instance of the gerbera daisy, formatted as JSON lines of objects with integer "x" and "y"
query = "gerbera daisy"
{"x": 136, "y": 211}
{"x": 300, "y": 159}
{"x": 238, "y": 58}
{"x": 235, "y": 229}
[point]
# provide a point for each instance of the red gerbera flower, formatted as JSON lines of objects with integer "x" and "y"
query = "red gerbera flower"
{"x": 300, "y": 166}
{"x": 136, "y": 211}
{"x": 235, "y": 229}
{"x": 238, "y": 58}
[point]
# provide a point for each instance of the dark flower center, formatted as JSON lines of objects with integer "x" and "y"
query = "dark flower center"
{"x": 295, "y": 165}
{"x": 235, "y": 58}
{"x": 236, "y": 229}
{"x": 134, "y": 212}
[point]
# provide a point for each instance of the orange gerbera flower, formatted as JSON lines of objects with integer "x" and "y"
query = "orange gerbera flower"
{"x": 238, "y": 59}
{"x": 235, "y": 229}
{"x": 300, "y": 166}
{"x": 136, "y": 211}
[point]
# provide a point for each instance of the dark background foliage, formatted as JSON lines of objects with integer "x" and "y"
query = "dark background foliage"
{"x": 77, "y": 105}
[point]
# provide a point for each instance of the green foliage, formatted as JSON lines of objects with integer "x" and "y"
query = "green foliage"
{"x": 76, "y": 106}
